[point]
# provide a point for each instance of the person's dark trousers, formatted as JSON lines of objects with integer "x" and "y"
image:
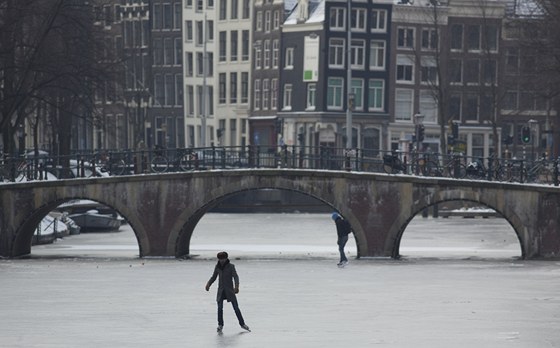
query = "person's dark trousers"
{"x": 341, "y": 244}
{"x": 235, "y": 308}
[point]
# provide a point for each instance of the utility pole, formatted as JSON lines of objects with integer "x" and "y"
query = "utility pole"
{"x": 349, "y": 100}
{"x": 204, "y": 73}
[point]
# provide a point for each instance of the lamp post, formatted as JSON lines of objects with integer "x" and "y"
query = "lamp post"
{"x": 533, "y": 127}
{"x": 418, "y": 120}
{"x": 349, "y": 79}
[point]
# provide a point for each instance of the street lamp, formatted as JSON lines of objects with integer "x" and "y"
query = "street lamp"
{"x": 418, "y": 120}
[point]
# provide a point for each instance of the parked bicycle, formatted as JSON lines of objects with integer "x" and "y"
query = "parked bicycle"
{"x": 477, "y": 170}
{"x": 392, "y": 164}
{"x": 452, "y": 167}
{"x": 541, "y": 172}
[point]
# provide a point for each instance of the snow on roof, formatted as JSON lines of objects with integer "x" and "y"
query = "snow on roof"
{"x": 289, "y": 5}
{"x": 316, "y": 13}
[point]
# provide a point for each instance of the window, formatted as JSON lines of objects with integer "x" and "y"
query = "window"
{"x": 267, "y": 21}
{"x": 477, "y": 145}
{"x": 258, "y": 55}
{"x": 199, "y": 64}
{"x": 405, "y": 68}
{"x": 178, "y": 51}
{"x": 334, "y": 93}
{"x": 470, "y": 112}
{"x": 178, "y": 89}
{"x": 428, "y": 71}
{"x": 245, "y": 45}
{"x": 275, "y": 53}
{"x": 246, "y": 9}
{"x": 233, "y": 47}
{"x": 210, "y": 64}
{"x": 273, "y": 94}
{"x": 223, "y": 9}
{"x": 455, "y": 106}
{"x": 223, "y": 47}
{"x": 456, "y": 71}
{"x": 258, "y": 21}
{"x": 190, "y": 100}
{"x": 456, "y": 37}
{"x": 169, "y": 52}
{"x": 337, "y": 18}
{"x": 287, "y": 97}
{"x": 376, "y": 94}
{"x": 428, "y": 106}
{"x": 167, "y": 16}
{"x": 358, "y": 19}
{"x": 512, "y": 61}
{"x": 189, "y": 31}
{"x": 358, "y": 54}
{"x": 336, "y": 53}
{"x": 403, "y": 104}
{"x": 190, "y": 63}
{"x": 378, "y": 20}
{"x": 510, "y": 101}
{"x": 377, "y": 55}
{"x": 289, "y": 58}
{"x": 222, "y": 99}
{"x": 210, "y": 4}
{"x": 158, "y": 52}
{"x": 244, "y": 87}
{"x": 491, "y": 35}
{"x": 358, "y": 91}
{"x": 199, "y": 33}
{"x": 159, "y": 89}
{"x": 472, "y": 71}
{"x": 234, "y": 9}
{"x": 405, "y": 38}
{"x": 311, "y": 96}
{"x": 473, "y": 37}
{"x": 276, "y": 20}
{"x": 209, "y": 30}
{"x": 430, "y": 39}
{"x": 257, "y": 97}
{"x": 490, "y": 72}
{"x": 265, "y": 93}
{"x": 157, "y": 19}
{"x": 233, "y": 88}
{"x": 267, "y": 54}
{"x": 177, "y": 16}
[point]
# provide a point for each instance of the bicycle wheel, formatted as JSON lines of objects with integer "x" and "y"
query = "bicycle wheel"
{"x": 26, "y": 172}
{"x": 456, "y": 170}
{"x": 543, "y": 176}
{"x": 117, "y": 167}
{"x": 391, "y": 166}
{"x": 186, "y": 162}
{"x": 431, "y": 168}
{"x": 159, "y": 164}
{"x": 500, "y": 174}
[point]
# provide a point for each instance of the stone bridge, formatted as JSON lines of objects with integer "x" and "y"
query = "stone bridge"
{"x": 164, "y": 209}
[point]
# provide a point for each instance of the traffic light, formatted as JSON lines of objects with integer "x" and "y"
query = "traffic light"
{"x": 455, "y": 130}
{"x": 525, "y": 135}
{"x": 420, "y": 133}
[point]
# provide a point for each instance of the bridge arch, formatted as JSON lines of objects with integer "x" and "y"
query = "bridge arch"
{"x": 187, "y": 221}
{"x": 24, "y": 232}
{"x": 510, "y": 216}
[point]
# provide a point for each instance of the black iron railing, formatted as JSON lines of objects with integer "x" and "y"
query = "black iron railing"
{"x": 161, "y": 160}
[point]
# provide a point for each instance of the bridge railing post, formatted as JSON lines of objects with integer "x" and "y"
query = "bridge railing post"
{"x": 555, "y": 172}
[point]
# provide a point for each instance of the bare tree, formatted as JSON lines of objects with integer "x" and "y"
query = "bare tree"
{"x": 49, "y": 61}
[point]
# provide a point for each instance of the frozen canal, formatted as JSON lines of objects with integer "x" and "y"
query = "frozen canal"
{"x": 459, "y": 284}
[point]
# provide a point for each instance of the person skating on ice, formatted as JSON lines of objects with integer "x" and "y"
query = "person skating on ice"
{"x": 228, "y": 286}
{"x": 343, "y": 229}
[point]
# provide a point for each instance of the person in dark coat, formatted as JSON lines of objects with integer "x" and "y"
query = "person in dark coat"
{"x": 343, "y": 229}
{"x": 228, "y": 277}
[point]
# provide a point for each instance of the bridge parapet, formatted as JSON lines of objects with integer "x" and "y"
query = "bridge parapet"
{"x": 164, "y": 209}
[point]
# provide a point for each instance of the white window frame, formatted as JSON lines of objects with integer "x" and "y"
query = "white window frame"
{"x": 340, "y": 19}
{"x": 337, "y": 93}
{"x": 402, "y": 115}
{"x": 376, "y": 93}
{"x": 407, "y": 63}
{"x": 287, "y": 100}
{"x": 377, "y": 52}
{"x": 378, "y": 21}
{"x": 257, "y": 95}
{"x": 358, "y": 54}
{"x": 311, "y": 99}
{"x": 360, "y": 20}
{"x": 289, "y": 58}
{"x": 337, "y": 49}
{"x": 358, "y": 91}
{"x": 408, "y": 38}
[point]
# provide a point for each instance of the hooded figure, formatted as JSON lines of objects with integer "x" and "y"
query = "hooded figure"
{"x": 343, "y": 229}
{"x": 228, "y": 286}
